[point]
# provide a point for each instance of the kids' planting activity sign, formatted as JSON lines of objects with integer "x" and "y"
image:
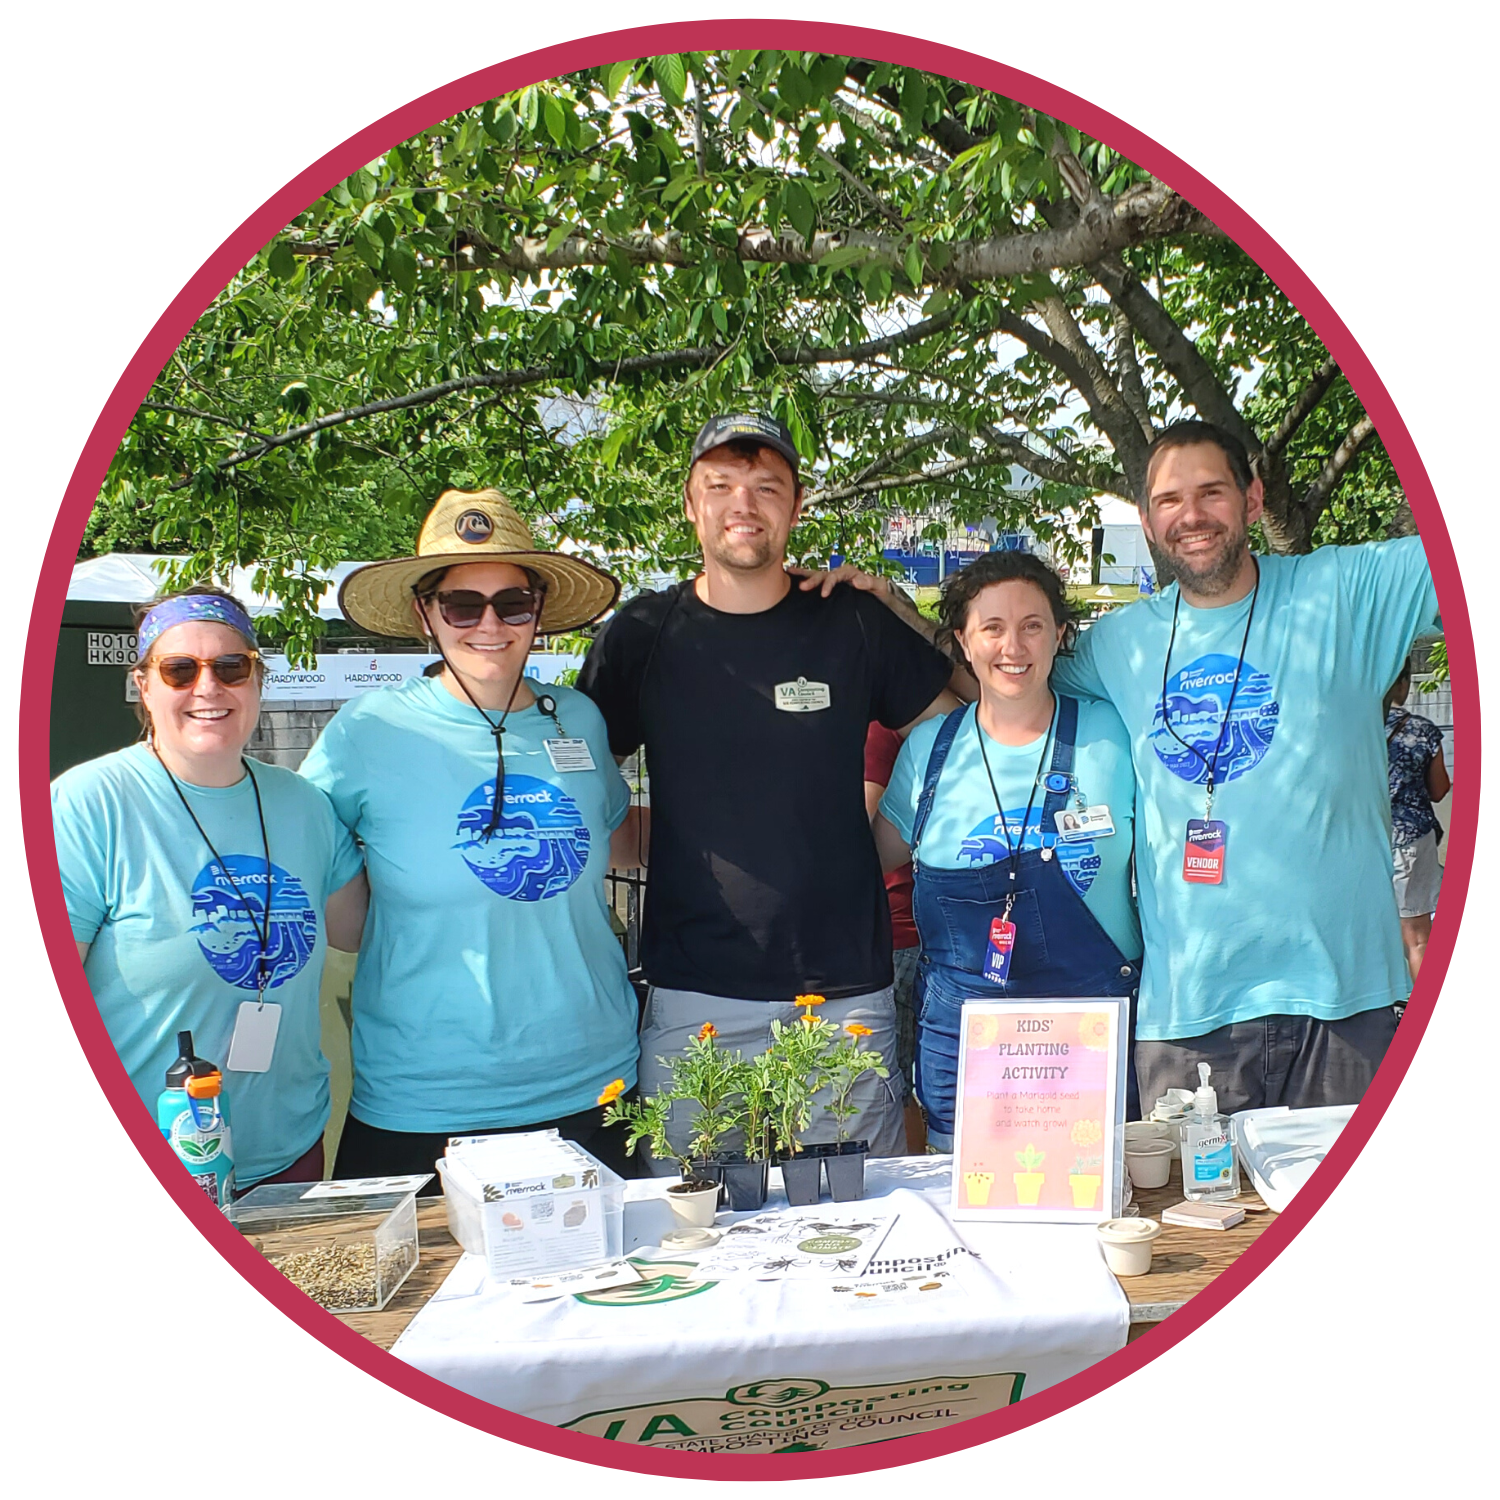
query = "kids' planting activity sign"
{"x": 1041, "y": 1102}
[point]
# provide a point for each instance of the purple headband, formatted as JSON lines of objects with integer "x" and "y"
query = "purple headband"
{"x": 187, "y": 607}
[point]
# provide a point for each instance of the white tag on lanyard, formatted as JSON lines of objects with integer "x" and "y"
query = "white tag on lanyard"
{"x": 254, "y": 1040}
{"x": 569, "y": 755}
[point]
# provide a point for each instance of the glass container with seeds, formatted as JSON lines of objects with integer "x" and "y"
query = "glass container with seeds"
{"x": 349, "y": 1246}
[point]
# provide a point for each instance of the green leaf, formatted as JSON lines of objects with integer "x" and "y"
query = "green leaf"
{"x": 281, "y": 263}
{"x": 368, "y": 247}
{"x": 844, "y": 256}
{"x": 912, "y": 265}
{"x": 401, "y": 267}
{"x": 556, "y": 119}
{"x": 800, "y": 208}
{"x": 615, "y": 76}
{"x": 670, "y": 73}
{"x": 530, "y": 103}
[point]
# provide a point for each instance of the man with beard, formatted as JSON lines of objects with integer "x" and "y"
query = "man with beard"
{"x": 1252, "y": 690}
{"x": 752, "y": 695}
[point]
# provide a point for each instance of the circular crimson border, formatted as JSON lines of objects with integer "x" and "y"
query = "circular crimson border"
{"x": 275, "y": 214}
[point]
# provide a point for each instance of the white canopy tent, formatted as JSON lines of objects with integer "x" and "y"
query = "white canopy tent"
{"x": 134, "y": 577}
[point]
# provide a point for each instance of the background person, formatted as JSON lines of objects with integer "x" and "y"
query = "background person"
{"x": 1251, "y": 690}
{"x": 976, "y": 801}
{"x": 1418, "y": 778}
{"x": 882, "y": 746}
{"x": 164, "y": 849}
{"x": 752, "y": 698}
{"x": 491, "y": 993}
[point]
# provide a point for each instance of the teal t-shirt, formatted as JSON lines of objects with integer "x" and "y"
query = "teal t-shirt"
{"x": 491, "y": 990}
{"x": 172, "y": 947}
{"x": 1304, "y": 922}
{"x": 964, "y": 831}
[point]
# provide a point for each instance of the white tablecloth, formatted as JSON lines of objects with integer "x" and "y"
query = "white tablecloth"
{"x": 760, "y": 1366}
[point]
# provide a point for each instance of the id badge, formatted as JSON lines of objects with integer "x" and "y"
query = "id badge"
{"x": 254, "y": 1040}
{"x": 1203, "y": 853}
{"x": 1076, "y": 823}
{"x": 570, "y": 755}
{"x": 997, "y": 955}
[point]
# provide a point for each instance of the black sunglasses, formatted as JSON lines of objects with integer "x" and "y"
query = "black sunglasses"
{"x": 232, "y": 670}
{"x": 464, "y": 608}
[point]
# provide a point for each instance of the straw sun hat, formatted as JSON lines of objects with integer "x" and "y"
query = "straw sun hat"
{"x": 468, "y": 527}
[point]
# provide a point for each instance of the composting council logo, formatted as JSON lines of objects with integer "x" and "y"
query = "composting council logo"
{"x": 1197, "y": 698}
{"x": 540, "y": 846}
{"x": 228, "y": 917}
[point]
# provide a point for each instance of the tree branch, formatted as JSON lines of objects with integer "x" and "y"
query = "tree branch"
{"x": 1132, "y": 387}
{"x": 1303, "y": 407}
{"x": 636, "y": 364}
{"x": 1315, "y": 498}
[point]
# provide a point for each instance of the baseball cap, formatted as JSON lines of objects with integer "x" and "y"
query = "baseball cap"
{"x": 758, "y": 427}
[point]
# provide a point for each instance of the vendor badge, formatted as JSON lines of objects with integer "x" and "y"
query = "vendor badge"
{"x": 802, "y": 696}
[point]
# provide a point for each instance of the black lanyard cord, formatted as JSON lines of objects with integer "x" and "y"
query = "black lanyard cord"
{"x": 265, "y": 845}
{"x": 1211, "y": 766}
{"x": 1014, "y": 851}
{"x": 496, "y": 729}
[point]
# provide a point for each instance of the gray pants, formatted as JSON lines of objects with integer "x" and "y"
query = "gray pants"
{"x": 673, "y": 1018}
{"x": 1290, "y": 1060}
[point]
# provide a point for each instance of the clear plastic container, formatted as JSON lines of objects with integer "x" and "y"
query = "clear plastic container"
{"x": 349, "y": 1254}
{"x": 536, "y": 1233}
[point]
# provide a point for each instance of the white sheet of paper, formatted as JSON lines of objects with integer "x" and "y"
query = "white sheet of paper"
{"x": 819, "y": 1242}
{"x": 360, "y": 1187}
{"x": 254, "y": 1040}
{"x": 566, "y": 1283}
{"x": 570, "y": 755}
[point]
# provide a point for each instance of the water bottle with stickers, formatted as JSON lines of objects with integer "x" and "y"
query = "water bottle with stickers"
{"x": 192, "y": 1112}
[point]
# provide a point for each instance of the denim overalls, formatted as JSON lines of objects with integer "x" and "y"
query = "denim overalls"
{"x": 1060, "y": 951}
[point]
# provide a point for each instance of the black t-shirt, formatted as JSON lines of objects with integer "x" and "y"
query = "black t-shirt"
{"x": 764, "y": 882}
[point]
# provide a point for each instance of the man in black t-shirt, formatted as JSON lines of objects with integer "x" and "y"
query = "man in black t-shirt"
{"x": 752, "y": 697}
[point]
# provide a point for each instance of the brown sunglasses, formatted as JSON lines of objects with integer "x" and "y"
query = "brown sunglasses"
{"x": 233, "y": 669}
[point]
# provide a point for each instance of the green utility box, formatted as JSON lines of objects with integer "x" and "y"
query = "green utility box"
{"x": 90, "y": 715}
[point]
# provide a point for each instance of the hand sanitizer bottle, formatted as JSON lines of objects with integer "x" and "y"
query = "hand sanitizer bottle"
{"x": 1209, "y": 1168}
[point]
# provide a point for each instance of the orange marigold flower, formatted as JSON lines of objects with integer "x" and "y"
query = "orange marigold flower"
{"x": 855, "y": 1029}
{"x": 809, "y": 1000}
{"x": 809, "y": 1019}
{"x": 706, "y": 1030}
{"x": 612, "y": 1091}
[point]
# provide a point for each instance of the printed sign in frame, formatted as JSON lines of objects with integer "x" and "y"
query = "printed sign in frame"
{"x": 1039, "y": 1134}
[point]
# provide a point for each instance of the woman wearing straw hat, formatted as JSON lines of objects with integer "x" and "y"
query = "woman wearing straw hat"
{"x": 491, "y": 992}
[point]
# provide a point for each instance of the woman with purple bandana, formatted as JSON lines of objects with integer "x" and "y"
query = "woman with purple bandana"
{"x": 202, "y": 889}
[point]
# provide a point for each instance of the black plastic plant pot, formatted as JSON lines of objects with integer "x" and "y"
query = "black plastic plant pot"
{"x": 846, "y": 1171}
{"x": 707, "y": 1169}
{"x": 802, "y": 1176}
{"x": 744, "y": 1182}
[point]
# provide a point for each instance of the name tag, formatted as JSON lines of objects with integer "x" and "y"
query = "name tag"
{"x": 570, "y": 755}
{"x": 802, "y": 696}
{"x": 998, "y": 953}
{"x": 254, "y": 1040}
{"x": 1084, "y": 823}
{"x": 1203, "y": 852}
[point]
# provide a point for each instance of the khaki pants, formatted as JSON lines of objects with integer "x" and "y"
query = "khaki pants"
{"x": 673, "y": 1018}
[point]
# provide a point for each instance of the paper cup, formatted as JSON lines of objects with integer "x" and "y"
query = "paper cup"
{"x": 1127, "y": 1245}
{"x": 1149, "y": 1162}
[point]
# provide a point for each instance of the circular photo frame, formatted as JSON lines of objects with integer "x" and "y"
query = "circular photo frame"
{"x": 1185, "y": 192}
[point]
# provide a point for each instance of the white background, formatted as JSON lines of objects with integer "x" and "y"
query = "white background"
{"x": 139, "y": 137}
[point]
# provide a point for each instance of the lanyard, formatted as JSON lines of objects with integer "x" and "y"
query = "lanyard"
{"x": 1211, "y": 765}
{"x": 265, "y": 844}
{"x": 1013, "y": 852}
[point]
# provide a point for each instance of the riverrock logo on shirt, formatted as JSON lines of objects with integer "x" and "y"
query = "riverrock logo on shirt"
{"x": 1197, "y": 698}
{"x": 986, "y": 845}
{"x": 540, "y": 847}
{"x": 229, "y": 935}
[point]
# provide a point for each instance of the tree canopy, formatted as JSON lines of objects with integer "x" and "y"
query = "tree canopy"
{"x": 930, "y": 284}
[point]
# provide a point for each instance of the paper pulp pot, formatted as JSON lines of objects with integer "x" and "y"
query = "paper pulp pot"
{"x": 1149, "y": 1162}
{"x": 1085, "y": 1188}
{"x": 846, "y": 1171}
{"x": 745, "y": 1183}
{"x": 1028, "y": 1187}
{"x": 1127, "y": 1245}
{"x": 694, "y": 1203}
{"x": 802, "y": 1176}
